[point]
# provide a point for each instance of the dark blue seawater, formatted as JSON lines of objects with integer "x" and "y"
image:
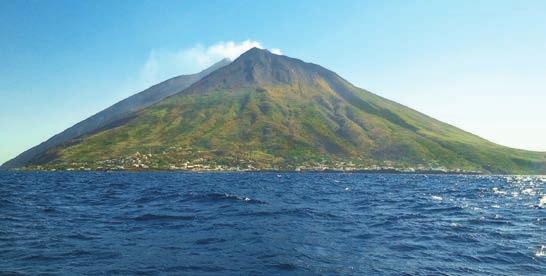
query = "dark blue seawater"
{"x": 269, "y": 223}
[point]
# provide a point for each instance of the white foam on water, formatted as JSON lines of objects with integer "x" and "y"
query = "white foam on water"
{"x": 497, "y": 191}
{"x": 435, "y": 197}
{"x": 528, "y": 191}
{"x": 541, "y": 252}
{"x": 542, "y": 201}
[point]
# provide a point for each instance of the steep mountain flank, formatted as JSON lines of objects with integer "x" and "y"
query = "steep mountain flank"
{"x": 116, "y": 114}
{"x": 266, "y": 111}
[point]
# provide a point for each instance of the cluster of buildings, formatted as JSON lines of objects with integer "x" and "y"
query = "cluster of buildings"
{"x": 167, "y": 161}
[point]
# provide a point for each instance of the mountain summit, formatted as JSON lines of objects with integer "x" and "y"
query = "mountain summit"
{"x": 265, "y": 111}
{"x": 261, "y": 67}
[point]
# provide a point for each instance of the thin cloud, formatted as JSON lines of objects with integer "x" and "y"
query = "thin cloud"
{"x": 276, "y": 51}
{"x": 163, "y": 64}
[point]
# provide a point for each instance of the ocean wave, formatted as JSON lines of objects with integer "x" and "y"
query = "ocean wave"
{"x": 284, "y": 266}
{"x": 214, "y": 197}
{"x": 40, "y": 257}
{"x": 208, "y": 241}
{"x": 498, "y": 191}
{"x": 191, "y": 268}
{"x": 437, "y": 198}
{"x": 247, "y": 224}
{"x": 542, "y": 201}
{"x": 79, "y": 236}
{"x": 541, "y": 252}
{"x": 152, "y": 217}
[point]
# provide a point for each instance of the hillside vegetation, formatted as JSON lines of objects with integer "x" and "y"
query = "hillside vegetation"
{"x": 266, "y": 111}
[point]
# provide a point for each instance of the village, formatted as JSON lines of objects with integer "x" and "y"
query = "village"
{"x": 163, "y": 162}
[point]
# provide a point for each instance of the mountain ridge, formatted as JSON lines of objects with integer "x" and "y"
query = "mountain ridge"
{"x": 114, "y": 113}
{"x": 265, "y": 111}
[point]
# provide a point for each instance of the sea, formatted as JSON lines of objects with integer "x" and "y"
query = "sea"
{"x": 171, "y": 223}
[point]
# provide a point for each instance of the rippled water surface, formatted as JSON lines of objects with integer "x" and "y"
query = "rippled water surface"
{"x": 268, "y": 223}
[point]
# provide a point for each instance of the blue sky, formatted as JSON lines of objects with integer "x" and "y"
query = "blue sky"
{"x": 479, "y": 65}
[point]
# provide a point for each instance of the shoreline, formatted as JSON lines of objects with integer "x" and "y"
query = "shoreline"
{"x": 328, "y": 171}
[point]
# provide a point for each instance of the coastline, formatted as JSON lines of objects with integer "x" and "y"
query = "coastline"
{"x": 326, "y": 171}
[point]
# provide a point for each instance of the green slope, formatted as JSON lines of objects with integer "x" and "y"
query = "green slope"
{"x": 267, "y": 111}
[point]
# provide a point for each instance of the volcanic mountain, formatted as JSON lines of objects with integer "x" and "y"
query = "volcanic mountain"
{"x": 266, "y": 111}
{"x": 115, "y": 114}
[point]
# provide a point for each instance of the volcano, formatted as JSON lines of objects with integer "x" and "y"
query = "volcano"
{"x": 271, "y": 112}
